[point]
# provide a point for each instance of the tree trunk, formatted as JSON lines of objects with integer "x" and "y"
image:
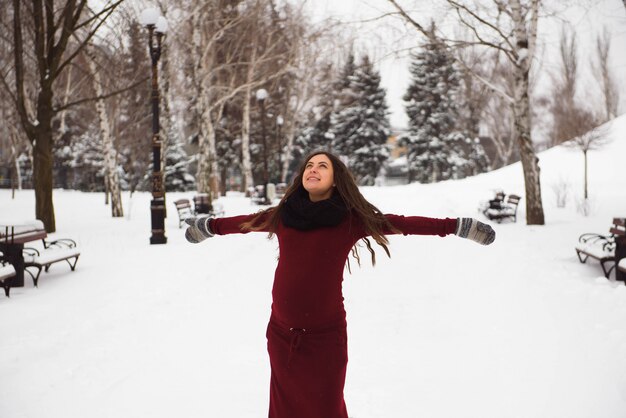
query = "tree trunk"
{"x": 291, "y": 133}
{"x": 521, "y": 111}
{"x": 112, "y": 180}
{"x": 206, "y": 137}
{"x": 214, "y": 170}
{"x": 246, "y": 164}
{"x": 42, "y": 164}
{"x": 15, "y": 158}
{"x": 585, "y": 155}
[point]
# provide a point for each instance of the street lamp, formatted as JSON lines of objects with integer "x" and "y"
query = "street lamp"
{"x": 261, "y": 95}
{"x": 157, "y": 25}
{"x": 279, "y": 141}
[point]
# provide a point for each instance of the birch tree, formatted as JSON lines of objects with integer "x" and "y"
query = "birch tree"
{"x": 111, "y": 174}
{"x": 233, "y": 53}
{"x": 215, "y": 55}
{"x": 510, "y": 28}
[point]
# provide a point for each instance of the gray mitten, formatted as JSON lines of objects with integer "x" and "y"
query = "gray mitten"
{"x": 475, "y": 230}
{"x": 199, "y": 229}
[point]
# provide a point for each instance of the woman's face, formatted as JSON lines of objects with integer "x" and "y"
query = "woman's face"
{"x": 318, "y": 177}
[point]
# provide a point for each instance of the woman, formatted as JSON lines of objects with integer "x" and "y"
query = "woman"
{"x": 318, "y": 223}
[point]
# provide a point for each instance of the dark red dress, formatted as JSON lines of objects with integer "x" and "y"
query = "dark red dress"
{"x": 306, "y": 335}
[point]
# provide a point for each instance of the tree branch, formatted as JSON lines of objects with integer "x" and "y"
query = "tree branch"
{"x": 104, "y": 14}
{"x": 104, "y": 96}
{"x": 497, "y": 30}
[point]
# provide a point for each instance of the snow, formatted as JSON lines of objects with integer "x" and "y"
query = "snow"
{"x": 445, "y": 328}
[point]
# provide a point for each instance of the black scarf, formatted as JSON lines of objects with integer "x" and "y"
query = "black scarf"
{"x": 300, "y": 213}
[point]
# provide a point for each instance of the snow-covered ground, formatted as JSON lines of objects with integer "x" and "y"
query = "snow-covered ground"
{"x": 445, "y": 328}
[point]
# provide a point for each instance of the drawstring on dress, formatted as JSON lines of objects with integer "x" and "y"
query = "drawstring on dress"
{"x": 296, "y": 335}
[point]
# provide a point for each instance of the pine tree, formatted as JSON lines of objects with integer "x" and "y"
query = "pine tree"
{"x": 433, "y": 142}
{"x": 88, "y": 162}
{"x": 177, "y": 175}
{"x": 361, "y": 129}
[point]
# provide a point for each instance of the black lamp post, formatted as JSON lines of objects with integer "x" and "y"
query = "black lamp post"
{"x": 157, "y": 26}
{"x": 261, "y": 95}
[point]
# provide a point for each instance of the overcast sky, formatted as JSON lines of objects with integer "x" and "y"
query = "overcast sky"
{"x": 386, "y": 40}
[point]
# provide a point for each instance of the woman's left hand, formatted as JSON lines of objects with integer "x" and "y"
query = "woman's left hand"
{"x": 475, "y": 230}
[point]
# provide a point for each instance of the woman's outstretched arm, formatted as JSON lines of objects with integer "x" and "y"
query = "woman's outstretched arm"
{"x": 203, "y": 227}
{"x": 463, "y": 227}
{"x": 420, "y": 225}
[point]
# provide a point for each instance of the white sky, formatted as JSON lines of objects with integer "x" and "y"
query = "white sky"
{"x": 386, "y": 40}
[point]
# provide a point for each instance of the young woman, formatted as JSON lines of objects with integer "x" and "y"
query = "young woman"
{"x": 318, "y": 223}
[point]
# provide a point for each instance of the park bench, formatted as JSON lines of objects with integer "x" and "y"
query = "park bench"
{"x": 607, "y": 249}
{"x": 281, "y": 188}
{"x": 257, "y": 194}
{"x": 499, "y": 209}
{"x": 201, "y": 206}
{"x": 54, "y": 252}
{"x": 184, "y": 209}
{"x": 274, "y": 191}
{"x": 6, "y": 272}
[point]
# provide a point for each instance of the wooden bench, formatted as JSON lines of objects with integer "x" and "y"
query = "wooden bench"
{"x": 56, "y": 251}
{"x": 499, "y": 209}
{"x": 201, "y": 206}
{"x": 602, "y": 247}
{"x": 183, "y": 207}
{"x": 6, "y": 272}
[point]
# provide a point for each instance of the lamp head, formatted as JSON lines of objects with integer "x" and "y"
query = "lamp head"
{"x": 261, "y": 94}
{"x": 161, "y": 25}
{"x": 149, "y": 17}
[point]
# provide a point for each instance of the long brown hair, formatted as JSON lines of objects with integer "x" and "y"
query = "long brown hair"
{"x": 374, "y": 222}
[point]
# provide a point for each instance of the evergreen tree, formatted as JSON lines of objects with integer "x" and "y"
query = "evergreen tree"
{"x": 434, "y": 151}
{"x": 361, "y": 129}
{"x": 88, "y": 162}
{"x": 177, "y": 176}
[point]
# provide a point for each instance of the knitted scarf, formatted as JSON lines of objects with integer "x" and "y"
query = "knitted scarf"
{"x": 300, "y": 213}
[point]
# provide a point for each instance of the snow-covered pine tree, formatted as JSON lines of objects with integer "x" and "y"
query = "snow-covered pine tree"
{"x": 88, "y": 162}
{"x": 432, "y": 141}
{"x": 360, "y": 130}
{"x": 177, "y": 175}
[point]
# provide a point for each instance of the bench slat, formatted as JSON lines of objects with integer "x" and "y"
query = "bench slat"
{"x": 52, "y": 256}
{"x": 617, "y": 231}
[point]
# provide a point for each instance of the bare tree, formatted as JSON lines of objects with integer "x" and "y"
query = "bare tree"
{"x": 606, "y": 79}
{"x": 509, "y": 28}
{"x": 590, "y": 140}
{"x": 46, "y": 40}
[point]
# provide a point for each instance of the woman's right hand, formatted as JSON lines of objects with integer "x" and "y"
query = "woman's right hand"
{"x": 198, "y": 229}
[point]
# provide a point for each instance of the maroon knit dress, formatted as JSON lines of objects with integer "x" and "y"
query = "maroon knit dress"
{"x": 306, "y": 335}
